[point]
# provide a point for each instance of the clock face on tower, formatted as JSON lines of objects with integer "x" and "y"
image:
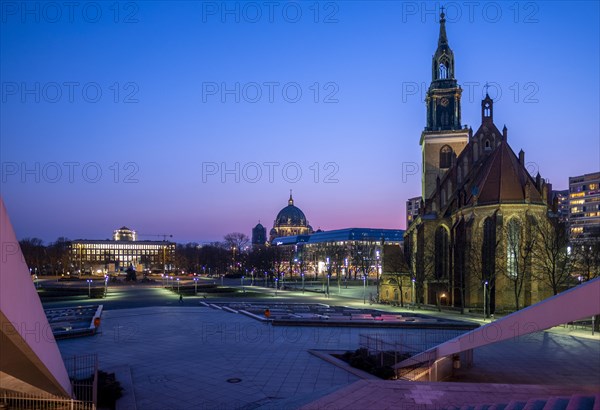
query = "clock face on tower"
{"x": 444, "y": 102}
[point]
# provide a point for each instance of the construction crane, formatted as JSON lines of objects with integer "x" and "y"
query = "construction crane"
{"x": 163, "y": 235}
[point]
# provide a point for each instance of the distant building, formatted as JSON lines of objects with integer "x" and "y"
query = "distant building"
{"x": 259, "y": 235}
{"x": 290, "y": 221}
{"x": 121, "y": 252}
{"x": 561, "y": 200}
{"x": 412, "y": 209}
{"x": 124, "y": 234}
{"x": 342, "y": 254}
{"x": 584, "y": 203}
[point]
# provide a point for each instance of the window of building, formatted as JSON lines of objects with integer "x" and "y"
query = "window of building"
{"x": 445, "y": 157}
{"x": 512, "y": 247}
{"x": 442, "y": 254}
{"x": 443, "y": 72}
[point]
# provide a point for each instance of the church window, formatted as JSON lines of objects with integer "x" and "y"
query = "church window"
{"x": 486, "y": 110}
{"x": 512, "y": 247}
{"x": 487, "y": 145}
{"x": 442, "y": 254}
{"x": 445, "y": 157}
{"x": 488, "y": 249}
{"x": 443, "y": 73}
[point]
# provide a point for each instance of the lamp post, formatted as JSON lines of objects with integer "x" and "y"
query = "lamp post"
{"x": 364, "y": 289}
{"x": 276, "y": 283}
{"x": 178, "y": 286}
{"x": 195, "y": 286}
{"x": 377, "y": 271}
{"x": 327, "y": 263}
{"x": 265, "y": 279}
{"x": 243, "y": 290}
{"x": 105, "y": 285}
{"x": 414, "y": 296}
{"x": 485, "y": 284}
{"x": 282, "y": 273}
{"x": 89, "y": 282}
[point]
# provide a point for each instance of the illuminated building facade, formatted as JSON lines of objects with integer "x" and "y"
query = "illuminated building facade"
{"x": 343, "y": 254}
{"x": 122, "y": 252}
{"x": 412, "y": 209}
{"x": 584, "y": 206}
{"x": 471, "y": 244}
{"x": 290, "y": 221}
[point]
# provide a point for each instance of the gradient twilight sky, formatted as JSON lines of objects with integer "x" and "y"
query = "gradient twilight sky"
{"x": 127, "y": 113}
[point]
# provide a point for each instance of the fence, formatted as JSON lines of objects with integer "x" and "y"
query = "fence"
{"x": 83, "y": 373}
{"x": 24, "y": 401}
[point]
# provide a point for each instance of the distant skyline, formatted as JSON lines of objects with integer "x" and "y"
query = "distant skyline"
{"x": 195, "y": 119}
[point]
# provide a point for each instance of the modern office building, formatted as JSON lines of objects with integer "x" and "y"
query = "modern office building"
{"x": 101, "y": 256}
{"x": 560, "y": 199}
{"x": 584, "y": 204}
{"x": 412, "y": 209}
{"x": 351, "y": 253}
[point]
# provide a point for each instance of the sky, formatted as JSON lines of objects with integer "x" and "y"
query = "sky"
{"x": 195, "y": 119}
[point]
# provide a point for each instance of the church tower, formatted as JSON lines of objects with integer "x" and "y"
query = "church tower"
{"x": 444, "y": 137}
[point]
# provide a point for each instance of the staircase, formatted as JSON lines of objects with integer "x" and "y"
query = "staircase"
{"x": 575, "y": 402}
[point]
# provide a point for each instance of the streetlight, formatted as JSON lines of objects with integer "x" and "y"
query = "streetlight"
{"x": 414, "y": 296}
{"x": 105, "y": 285}
{"x": 485, "y": 284}
{"x": 265, "y": 279}
{"x": 178, "y": 286}
{"x": 364, "y": 289}
{"x": 243, "y": 290}
{"x": 276, "y": 282}
{"x": 377, "y": 271}
{"x": 196, "y": 286}
{"x": 327, "y": 262}
{"x": 302, "y": 274}
{"x": 89, "y": 282}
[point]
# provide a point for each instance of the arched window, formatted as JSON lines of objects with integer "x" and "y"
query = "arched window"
{"x": 488, "y": 260}
{"x": 486, "y": 110}
{"x": 442, "y": 254}
{"x": 487, "y": 145}
{"x": 443, "y": 71}
{"x": 445, "y": 157}
{"x": 513, "y": 243}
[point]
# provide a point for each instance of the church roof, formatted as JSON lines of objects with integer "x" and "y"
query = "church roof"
{"x": 504, "y": 179}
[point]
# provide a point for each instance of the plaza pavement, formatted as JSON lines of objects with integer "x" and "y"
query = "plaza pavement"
{"x": 192, "y": 357}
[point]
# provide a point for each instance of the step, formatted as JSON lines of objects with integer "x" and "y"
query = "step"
{"x": 581, "y": 402}
{"x": 557, "y": 403}
{"x": 535, "y": 404}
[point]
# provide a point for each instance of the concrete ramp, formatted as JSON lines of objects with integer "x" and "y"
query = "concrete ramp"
{"x": 30, "y": 361}
{"x": 577, "y": 303}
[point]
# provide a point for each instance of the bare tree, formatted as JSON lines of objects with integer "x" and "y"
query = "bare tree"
{"x": 586, "y": 258}
{"x": 520, "y": 244}
{"x": 552, "y": 257}
{"x": 396, "y": 268}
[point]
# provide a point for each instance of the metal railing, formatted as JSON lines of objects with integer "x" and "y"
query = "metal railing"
{"x": 397, "y": 348}
{"x": 83, "y": 373}
{"x": 18, "y": 400}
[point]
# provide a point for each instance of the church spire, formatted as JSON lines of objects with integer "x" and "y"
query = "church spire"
{"x": 443, "y": 39}
{"x": 443, "y": 59}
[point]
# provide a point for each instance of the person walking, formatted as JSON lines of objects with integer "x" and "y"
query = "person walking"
{"x": 180, "y": 298}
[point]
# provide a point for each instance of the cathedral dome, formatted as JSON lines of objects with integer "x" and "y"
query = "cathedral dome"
{"x": 290, "y": 215}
